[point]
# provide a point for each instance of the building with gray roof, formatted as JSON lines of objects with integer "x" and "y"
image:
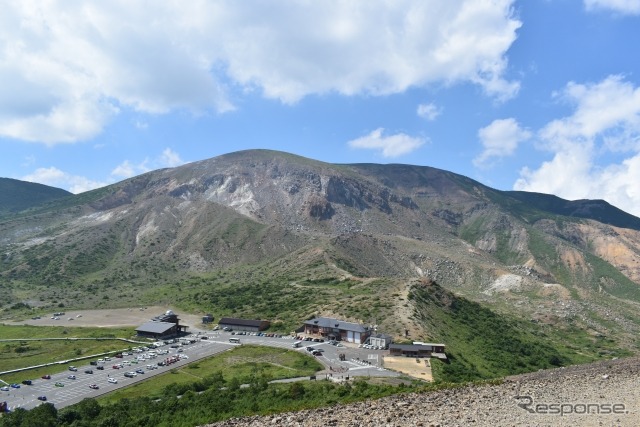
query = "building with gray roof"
{"x": 336, "y": 329}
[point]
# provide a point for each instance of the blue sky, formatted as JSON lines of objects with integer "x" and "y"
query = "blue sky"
{"x": 537, "y": 95}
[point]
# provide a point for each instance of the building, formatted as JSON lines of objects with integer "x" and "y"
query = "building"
{"x": 380, "y": 340}
{"x": 158, "y": 330}
{"x": 164, "y": 326}
{"x": 338, "y": 330}
{"x": 243, "y": 324}
{"x": 418, "y": 350}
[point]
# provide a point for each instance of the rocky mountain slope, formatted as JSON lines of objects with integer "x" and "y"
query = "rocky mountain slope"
{"x": 245, "y": 222}
{"x": 599, "y": 394}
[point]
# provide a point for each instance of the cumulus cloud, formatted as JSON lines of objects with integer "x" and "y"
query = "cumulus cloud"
{"x": 126, "y": 169}
{"x": 170, "y": 158}
{"x": 389, "y": 146}
{"x": 605, "y": 122}
{"x": 428, "y": 111}
{"x": 167, "y": 159}
{"x": 68, "y": 68}
{"x": 630, "y": 7}
{"x": 56, "y": 178}
{"x": 499, "y": 139}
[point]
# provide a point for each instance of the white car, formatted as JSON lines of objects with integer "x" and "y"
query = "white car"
{"x": 4, "y": 388}
{"x": 113, "y": 380}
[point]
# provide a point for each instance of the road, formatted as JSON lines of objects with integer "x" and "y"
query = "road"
{"x": 74, "y": 390}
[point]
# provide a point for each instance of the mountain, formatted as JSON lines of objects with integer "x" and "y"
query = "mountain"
{"x": 18, "y": 195}
{"x": 272, "y": 235}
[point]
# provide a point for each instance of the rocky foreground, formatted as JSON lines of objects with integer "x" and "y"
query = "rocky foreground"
{"x": 599, "y": 394}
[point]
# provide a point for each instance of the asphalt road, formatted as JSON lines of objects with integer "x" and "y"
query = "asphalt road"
{"x": 358, "y": 362}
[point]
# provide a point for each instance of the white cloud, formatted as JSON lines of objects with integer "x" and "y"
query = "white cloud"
{"x": 54, "y": 177}
{"x": 500, "y": 139}
{"x": 389, "y": 146}
{"x": 126, "y": 170}
{"x": 605, "y": 121}
{"x": 630, "y": 7}
{"x": 168, "y": 159}
{"x": 428, "y": 111}
{"x": 68, "y": 68}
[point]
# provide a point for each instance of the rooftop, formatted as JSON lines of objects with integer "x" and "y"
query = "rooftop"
{"x": 328, "y": 322}
{"x": 155, "y": 327}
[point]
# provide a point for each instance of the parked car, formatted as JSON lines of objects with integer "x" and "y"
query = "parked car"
{"x": 15, "y": 385}
{"x": 94, "y": 386}
{"x": 93, "y": 363}
{"x": 88, "y": 371}
{"x": 42, "y": 398}
{"x": 4, "y": 388}
{"x": 59, "y": 384}
{"x": 112, "y": 380}
{"x": 130, "y": 374}
{"x": 73, "y": 368}
{"x": 317, "y": 353}
{"x": 71, "y": 377}
{"x": 140, "y": 371}
{"x": 27, "y": 382}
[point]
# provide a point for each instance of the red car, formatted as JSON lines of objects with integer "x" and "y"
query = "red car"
{"x": 116, "y": 367}
{"x": 94, "y": 386}
{"x": 46, "y": 377}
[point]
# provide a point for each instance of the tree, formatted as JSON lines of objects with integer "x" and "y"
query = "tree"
{"x": 296, "y": 390}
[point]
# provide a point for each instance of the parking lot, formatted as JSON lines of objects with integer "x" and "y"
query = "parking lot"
{"x": 355, "y": 362}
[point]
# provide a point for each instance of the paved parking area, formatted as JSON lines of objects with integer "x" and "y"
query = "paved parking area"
{"x": 357, "y": 362}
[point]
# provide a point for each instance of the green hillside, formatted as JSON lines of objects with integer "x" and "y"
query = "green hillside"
{"x": 16, "y": 196}
{"x": 484, "y": 344}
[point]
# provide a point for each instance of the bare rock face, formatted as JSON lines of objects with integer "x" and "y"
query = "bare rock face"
{"x": 398, "y": 221}
{"x": 599, "y": 394}
{"x": 319, "y": 208}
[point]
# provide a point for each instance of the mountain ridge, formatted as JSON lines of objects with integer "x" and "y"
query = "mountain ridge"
{"x": 215, "y": 234}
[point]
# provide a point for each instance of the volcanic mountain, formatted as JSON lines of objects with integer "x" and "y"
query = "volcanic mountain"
{"x": 269, "y": 234}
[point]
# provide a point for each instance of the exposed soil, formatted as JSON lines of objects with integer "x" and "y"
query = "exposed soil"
{"x": 109, "y": 318}
{"x": 416, "y": 368}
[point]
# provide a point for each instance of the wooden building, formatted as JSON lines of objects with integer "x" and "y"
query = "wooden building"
{"x": 335, "y": 329}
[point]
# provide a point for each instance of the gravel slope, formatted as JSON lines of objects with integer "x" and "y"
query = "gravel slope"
{"x": 569, "y": 390}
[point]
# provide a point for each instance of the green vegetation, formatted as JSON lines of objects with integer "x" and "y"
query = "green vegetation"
{"x": 210, "y": 390}
{"x": 220, "y": 400}
{"x": 17, "y": 195}
{"x": 482, "y": 344}
{"x": 243, "y": 364}
{"x": 24, "y": 353}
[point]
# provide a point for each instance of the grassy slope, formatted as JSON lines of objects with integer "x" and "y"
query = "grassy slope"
{"x": 241, "y": 363}
{"x": 483, "y": 344}
{"x": 17, "y": 195}
{"x": 19, "y": 354}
